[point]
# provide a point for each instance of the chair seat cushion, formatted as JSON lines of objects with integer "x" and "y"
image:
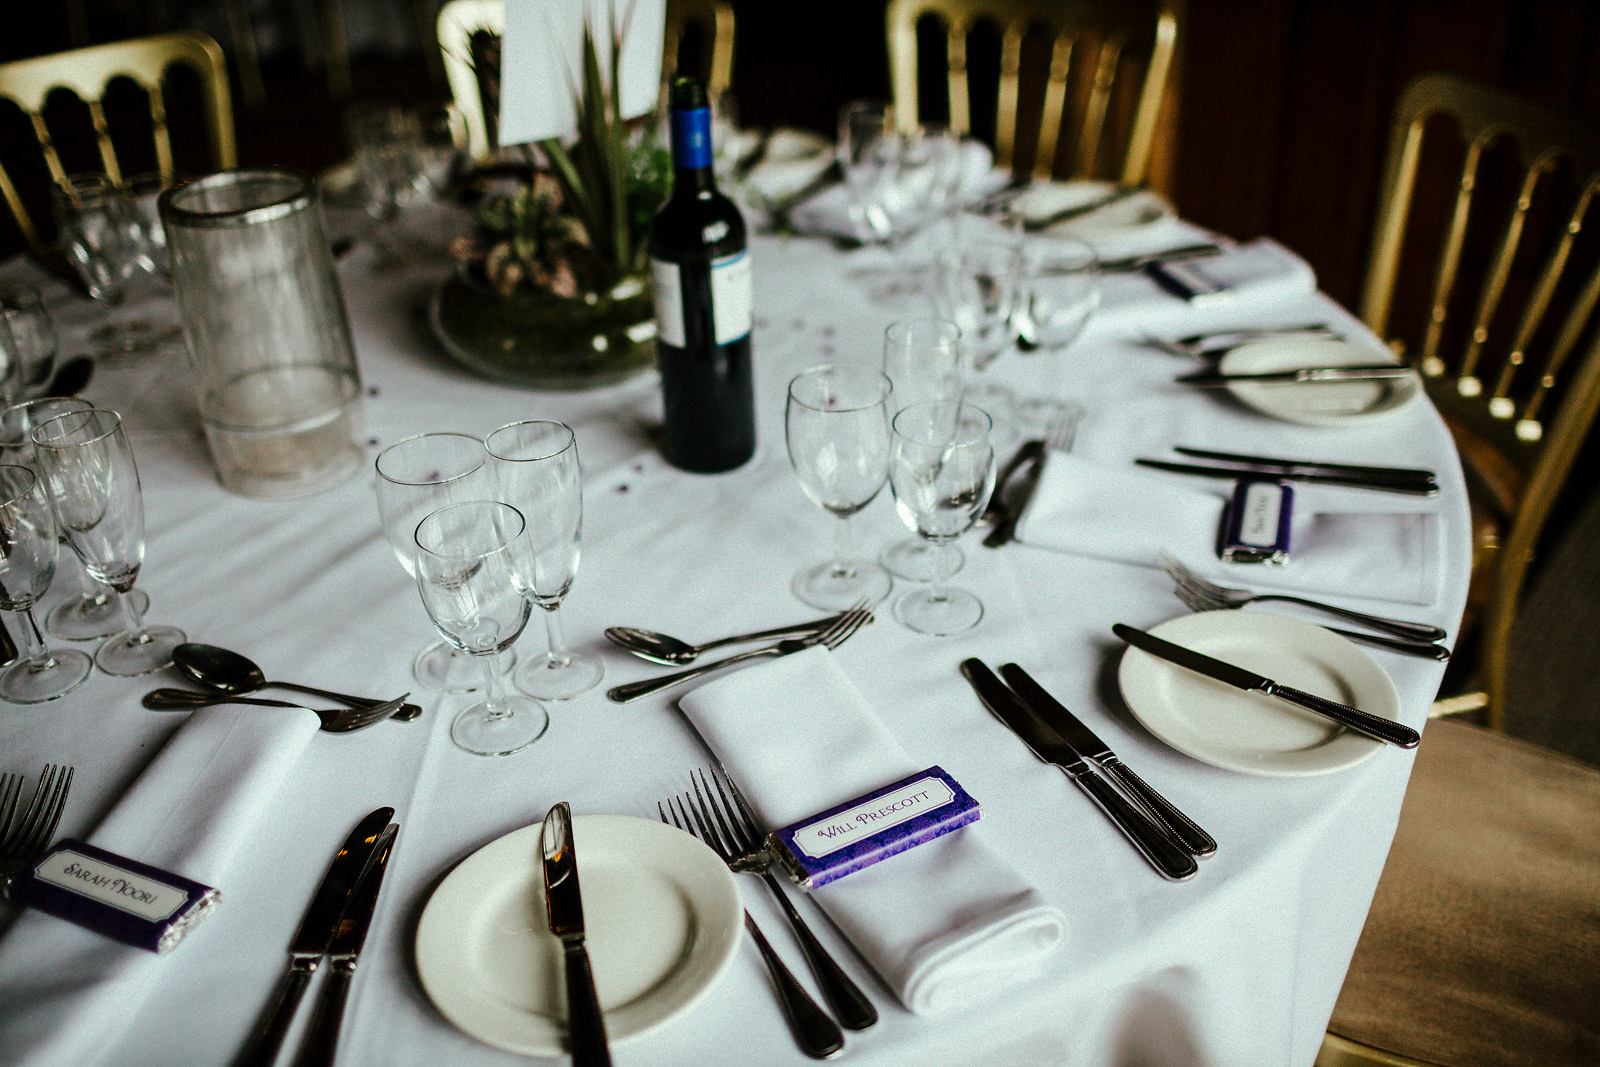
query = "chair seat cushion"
{"x": 1483, "y": 942}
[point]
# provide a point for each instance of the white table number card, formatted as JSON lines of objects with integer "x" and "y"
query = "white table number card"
{"x": 542, "y": 61}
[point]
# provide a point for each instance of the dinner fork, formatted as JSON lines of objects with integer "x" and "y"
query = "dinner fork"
{"x": 1216, "y": 596}
{"x": 334, "y": 720}
{"x": 26, "y": 831}
{"x": 818, "y": 1035}
{"x": 1405, "y": 646}
{"x": 832, "y": 636}
{"x": 740, "y": 844}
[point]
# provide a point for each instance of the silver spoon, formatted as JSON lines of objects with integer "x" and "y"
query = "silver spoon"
{"x": 663, "y": 648}
{"x": 234, "y": 674}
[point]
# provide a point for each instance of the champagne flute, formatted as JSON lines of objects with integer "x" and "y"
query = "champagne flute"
{"x": 28, "y": 551}
{"x": 28, "y": 341}
{"x": 92, "y": 611}
{"x": 535, "y": 466}
{"x": 473, "y": 569}
{"x": 922, "y": 358}
{"x": 93, "y": 486}
{"x": 868, "y": 152}
{"x": 977, "y": 286}
{"x": 417, "y": 476}
{"x": 942, "y": 472}
{"x": 837, "y": 428}
{"x": 1060, "y": 293}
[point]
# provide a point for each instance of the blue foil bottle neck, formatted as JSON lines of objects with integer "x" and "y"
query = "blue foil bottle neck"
{"x": 691, "y": 139}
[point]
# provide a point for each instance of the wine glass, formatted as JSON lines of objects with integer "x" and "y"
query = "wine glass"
{"x": 977, "y": 287}
{"x": 473, "y": 570}
{"x": 1060, "y": 293}
{"x": 535, "y": 467}
{"x": 868, "y": 153}
{"x": 93, "y": 486}
{"x": 417, "y": 476}
{"x": 837, "y": 428}
{"x": 97, "y": 235}
{"x": 942, "y": 472}
{"x": 92, "y": 611}
{"x": 27, "y": 341}
{"x": 922, "y": 358}
{"x": 28, "y": 550}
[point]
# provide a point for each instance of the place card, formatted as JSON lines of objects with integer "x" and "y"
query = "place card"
{"x": 870, "y": 828}
{"x": 121, "y": 898}
{"x": 1257, "y": 521}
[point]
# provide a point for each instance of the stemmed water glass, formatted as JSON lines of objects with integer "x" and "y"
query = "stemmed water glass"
{"x": 535, "y": 467}
{"x": 98, "y": 236}
{"x": 977, "y": 286}
{"x": 28, "y": 550}
{"x": 922, "y": 358}
{"x": 473, "y": 569}
{"x": 1060, "y": 293}
{"x": 93, "y": 485}
{"x": 942, "y": 473}
{"x": 92, "y": 611}
{"x": 869, "y": 153}
{"x": 28, "y": 341}
{"x": 417, "y": 476}
{"x": 837, "y": 428}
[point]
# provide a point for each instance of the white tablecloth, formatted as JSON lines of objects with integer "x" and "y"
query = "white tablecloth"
{"x": 1239, "y": 966}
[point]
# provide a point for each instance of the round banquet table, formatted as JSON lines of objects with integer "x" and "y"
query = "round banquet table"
{"x": 1240, "y": 965}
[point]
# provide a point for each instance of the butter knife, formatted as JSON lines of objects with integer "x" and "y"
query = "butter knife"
{"x": 1350, "y": 481}
{"x": 1089, "y": 745}
{"x": 1364, "y": 722}
{"x": 1078, "y": 211}
{"x": 1153, "y": 842}
{"x": 1351, "y": 372}
{"x": 314, "y": 935}
{"x": 322, "y": 1035}
{"x": 586, "y": 1027}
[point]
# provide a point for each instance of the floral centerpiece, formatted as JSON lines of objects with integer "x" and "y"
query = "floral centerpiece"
{"x": 552, "y": 289}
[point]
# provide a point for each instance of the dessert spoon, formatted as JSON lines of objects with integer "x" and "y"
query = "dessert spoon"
{"x": 235, "y": 674}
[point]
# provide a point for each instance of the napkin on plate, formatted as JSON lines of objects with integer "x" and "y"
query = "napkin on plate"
{"x": 1129, "y": 514}
{"x": 63, "y": 989}
{"x": 942, "y": 923}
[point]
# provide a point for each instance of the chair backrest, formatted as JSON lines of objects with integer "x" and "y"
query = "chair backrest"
{"x": 86, "y": 73}
{"x": 1503, "y": 270}
{"x": 465, "y": 26}
{"x": 1106, "y": 78}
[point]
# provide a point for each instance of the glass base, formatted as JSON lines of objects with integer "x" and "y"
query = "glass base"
{"x": 86, "y": 617}
{"x": 22, "y": 684}
{"x": 840, "y": 586}
{"x": 140, "y": 652}
{"x": 540, "y": 677}
{"x": 520, "y": 724}
{"x": 445, "y": 669}
{"x": 953, "y": 613}
{"x": 916, "y": 560}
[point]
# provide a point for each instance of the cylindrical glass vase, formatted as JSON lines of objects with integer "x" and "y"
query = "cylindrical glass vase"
{"x": 268, "y": 337}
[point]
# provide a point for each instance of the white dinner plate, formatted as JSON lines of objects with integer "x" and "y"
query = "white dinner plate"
{"x": 1318, "y": 403}
{"x": 1251, "y": 732}
{"x": 663, "y": 917}
{"x": 1126, "y": 218}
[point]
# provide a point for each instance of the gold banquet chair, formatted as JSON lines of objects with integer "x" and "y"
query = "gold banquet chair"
{"x": 88, "y": 73}
{"x": 469, "y": 34}
{"x": 1087, "y": 88}
{"x": 1482, "y": 942}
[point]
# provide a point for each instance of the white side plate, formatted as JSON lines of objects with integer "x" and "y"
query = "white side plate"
{"x": 1315, "y": 403}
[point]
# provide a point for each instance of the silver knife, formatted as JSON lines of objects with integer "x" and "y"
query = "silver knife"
{"x": 1373, "y": 726}
{"x": 315, "y": 933}
{"x": 1080, "y": 210}
{"x": 322, "y": 1035}
{"x": 586, "y": 1026}
{"x": 1352, "y": 372}
{"x": 1153, "y": 842}
{"x": 1353, "y": 481}
{"x": 1089, "y": 745}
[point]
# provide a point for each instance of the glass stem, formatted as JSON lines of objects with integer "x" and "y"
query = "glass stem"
{"x": 131, "y": 618}
{"x": 844, "y": 546}
{"x": 93, "y": 591}
{"x": 493, "y": 692}
{"x": 939, "y": 583}
{"x": 38, "y": 653}
{"x": 559, "y": 656}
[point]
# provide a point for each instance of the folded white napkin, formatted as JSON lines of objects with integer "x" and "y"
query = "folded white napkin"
{"x": 943, "y": 923}
{"x": 1255, "y": 274}
{"x": 1130, "y": 514}
{"x": 828, "y": 213}
{"x": 63, "y": 989}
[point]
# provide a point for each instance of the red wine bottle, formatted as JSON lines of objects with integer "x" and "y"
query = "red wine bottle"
{"x": 701, "y": 273}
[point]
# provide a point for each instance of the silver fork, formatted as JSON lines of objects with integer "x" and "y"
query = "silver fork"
{"x": 818, "y": 1035}
{"x": 1221, "y": 596}
{"x": 745, "y": 852}
{"x": 834, "y": 635}
{"x": 26, "y": 831}
{"x": 334, "y": 720}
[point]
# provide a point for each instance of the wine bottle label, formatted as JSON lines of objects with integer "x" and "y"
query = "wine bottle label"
{"x": 731, "y": 297}
{"x": 731, "y": 300}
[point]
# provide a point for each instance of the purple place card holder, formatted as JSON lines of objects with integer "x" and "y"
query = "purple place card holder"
{"x": 870, "y": 828}
{"x": 114, "y": 896}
